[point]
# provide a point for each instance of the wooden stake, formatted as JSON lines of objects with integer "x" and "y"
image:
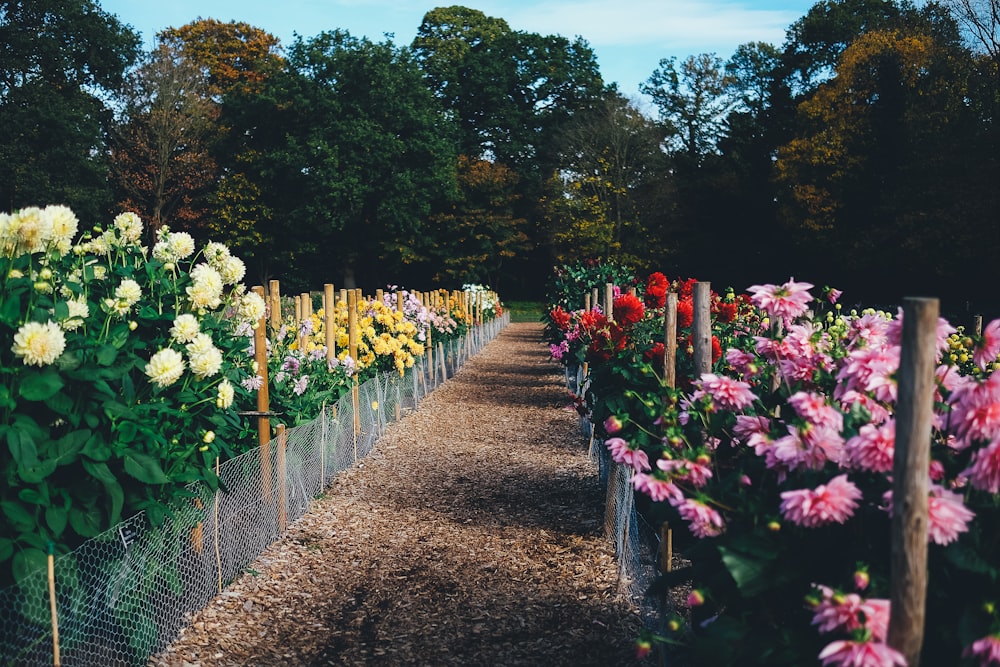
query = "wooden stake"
{"x": 330, "y": 322}
{"x": 274, "y": 294}
{"x": 609, "y": 301}
{"x": 53, "y": 607}
{"x": 299, "y": 317}
{"x": 910, "y": 481}
{"x": 218, "y": 550}
{"x": 263, "y": 400}
{"x": 352, "y": 333}
{"x": 282, "y": 491}
{"x": 670, "y": 341}
{"x": 701, "y": 329}
{"x": 977, "y": 325}
{"x": 594, "y": 302}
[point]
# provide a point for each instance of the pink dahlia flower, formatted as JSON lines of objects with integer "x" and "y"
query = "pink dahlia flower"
{"x": 815, "y": 409}
{"x": 703, "y": 521}
{"x": 985, "y": 650}
{"x": 725, "y": 392}
{"x": 833, "y": 502}
{"x": 988, "y": 351}
{"x": 697, "y": 473}
{"x": 873, "y": 447}
{"x": 948, "y": 517}
{"x": 975, "y": 414}
{"x": 622, "y": 453}
{"x": 850, "y": 612}
{"x": 847, "y": 653}
{"x": 782, "y": 302}
{"x": 657, "y": 489}
{"x": 984, "y": 472}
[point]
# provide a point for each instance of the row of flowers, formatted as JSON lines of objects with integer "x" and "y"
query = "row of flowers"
{"x": 778, "y": 462}
{"x": 124, "y": 368}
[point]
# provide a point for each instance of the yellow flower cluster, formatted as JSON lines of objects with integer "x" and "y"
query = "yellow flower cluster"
{"x": 386, "y": 338}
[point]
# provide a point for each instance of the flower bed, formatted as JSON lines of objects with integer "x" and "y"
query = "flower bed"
{"x": 778, "y": 462}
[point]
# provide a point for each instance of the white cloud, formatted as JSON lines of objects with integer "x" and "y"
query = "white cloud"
{"x": 681, "y": 23}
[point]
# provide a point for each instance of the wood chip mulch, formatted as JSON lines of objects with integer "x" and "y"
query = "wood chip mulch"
{"x": 470, "y": 536}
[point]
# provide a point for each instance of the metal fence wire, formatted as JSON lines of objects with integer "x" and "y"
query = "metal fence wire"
{"x": 637, "y": 543}
{"x": 126, "y": 594}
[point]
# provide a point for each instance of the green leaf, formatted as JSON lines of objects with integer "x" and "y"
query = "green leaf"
{"x": 145, "y": 468}
{"x": 22, "y": 448}
{"x": 41, "y": 386}
{"x": 34, "y": 497}
{"x": 748, "y": 568}
{"x": 28, "y": 562}
{"x": 70, "y": 445}
{"x": 6, "y": 549}
{"x": 37, "y": 473}
{"x": 56, "y": 519}
{"x": 6, "y": 400}
{"x": 85, "y": 521}
{"x": 106, "y": 355}
{"x": 21, "y": 519}
{"x": 96, "y": 448}
{"x": 99, "y": 471}
{"x": 61, "y": 404}
{"x": 116, "y": 496}
{"x": 60, "y": 311}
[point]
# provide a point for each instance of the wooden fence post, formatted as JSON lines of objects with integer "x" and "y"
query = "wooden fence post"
{"x": 274, "y": 299}
{"x": 609, "y": 301}
{"x": 263, "y": 400}
{"x": 670, "y": 340}
{"x": 330, "y": 322}
{"x": 701, "y": 329}
{"x": 352, "y": 333}
{"x": 282, "y": 473}
{"x": 910, "y": 479}
{"x": 594, "y": 301}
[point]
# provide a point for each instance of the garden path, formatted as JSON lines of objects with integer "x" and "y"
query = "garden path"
{"x": 470, "y": 536}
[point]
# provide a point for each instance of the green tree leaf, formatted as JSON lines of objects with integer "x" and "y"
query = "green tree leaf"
{"x": 145, "y": 468}
{"x": 40, "y": 386}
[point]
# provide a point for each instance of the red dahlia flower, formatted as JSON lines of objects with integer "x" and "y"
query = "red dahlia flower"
{"x": 685, "y": 313}
{"x": 628, "y": 309}
{"x": 560, "y": 318}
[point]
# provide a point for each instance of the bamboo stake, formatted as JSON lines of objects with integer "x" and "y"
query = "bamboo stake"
{"x": 282, "y": 492}
{"x": 330, "y": 322}
{"x": 701, "y": 329}
{"x": 56, "y": 661}
{"x": 914, "y": 416}
{"x": 263, "y": 400}
{"x": 670, "y": 341}
{"x": 218, "y": 550}
{"x": 274, "y": 294}
{"x": 352, "y": 332}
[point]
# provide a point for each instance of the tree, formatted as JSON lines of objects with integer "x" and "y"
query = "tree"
{"x": 475, "y": 235}
{"x": 981, "y": 19}
{"x": 352, "y": 149}
{"x": 692, "y": 101}
{"x": 61, "y": 60}
{"x": 160, "y": 157}
{"x": 609, "y": 152}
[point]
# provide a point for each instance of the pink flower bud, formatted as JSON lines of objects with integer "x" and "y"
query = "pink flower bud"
{"x": 696, "y": 598}
{"x": 861, "y": 580}
{"x": 613, "y": 425}
{"x": 745, "y": 480}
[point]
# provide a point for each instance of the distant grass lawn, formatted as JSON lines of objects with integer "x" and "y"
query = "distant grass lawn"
{"x": 524, "y": 311}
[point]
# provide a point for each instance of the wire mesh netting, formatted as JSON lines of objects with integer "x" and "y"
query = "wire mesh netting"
{"x": 637, "y": 543}
{"x": 126, "y": 594}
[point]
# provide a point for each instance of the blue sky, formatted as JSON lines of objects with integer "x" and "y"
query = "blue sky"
{"x": 629, "y": 37}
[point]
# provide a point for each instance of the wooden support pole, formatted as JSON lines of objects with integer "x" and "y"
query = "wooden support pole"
{"x": 701, "y": 329}
{"x": 263, "y": 401}
{"x": 352, "y": 333}
{"x": 218, "y": 547}
{"x": 910, "y": 480}
{"x": 330, "y": 322}
{"x": 274, "y": 300}
{"x": 282, "y": 475}
{"x": 594, "y": 298}
{"x": 670, "y": 341}
{"x": 299, "y": 318}
{"x": 400, "y": 300}
{"x": 586, "y": 301}
{"x": 53, "y": 608}
{"x": 609, "y": 301}
{"x": 977, "y": 325}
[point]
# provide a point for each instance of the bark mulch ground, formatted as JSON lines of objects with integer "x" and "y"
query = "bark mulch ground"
{"x": 471, "y": 536}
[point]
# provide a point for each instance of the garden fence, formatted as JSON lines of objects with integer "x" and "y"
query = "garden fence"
{"x": 126, "y": 594}
{"x": 637, "y": 543}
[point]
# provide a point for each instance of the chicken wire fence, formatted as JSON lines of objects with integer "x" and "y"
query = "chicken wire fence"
{"x": 125, "y": 595}
{"x": 638, "y": 547}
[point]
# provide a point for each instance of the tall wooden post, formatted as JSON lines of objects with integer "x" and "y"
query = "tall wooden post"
{"x": 282, "y": 475}
{"x": 263, "y": 400}
{"x": 701, "y": 328}
{"x": 910, "y": 480}
{"x": 594, "y": 301}
{"x": 352, "y": 333}
{"x": 670, "y": 341}
{"x": 299, "y": 317}
{"x": 274, "y": 300}
{"x": 330, "y": 322}
{"x": 609, "y": 301}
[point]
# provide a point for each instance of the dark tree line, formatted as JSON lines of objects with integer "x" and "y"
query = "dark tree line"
{"x": 861, "y": 152}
